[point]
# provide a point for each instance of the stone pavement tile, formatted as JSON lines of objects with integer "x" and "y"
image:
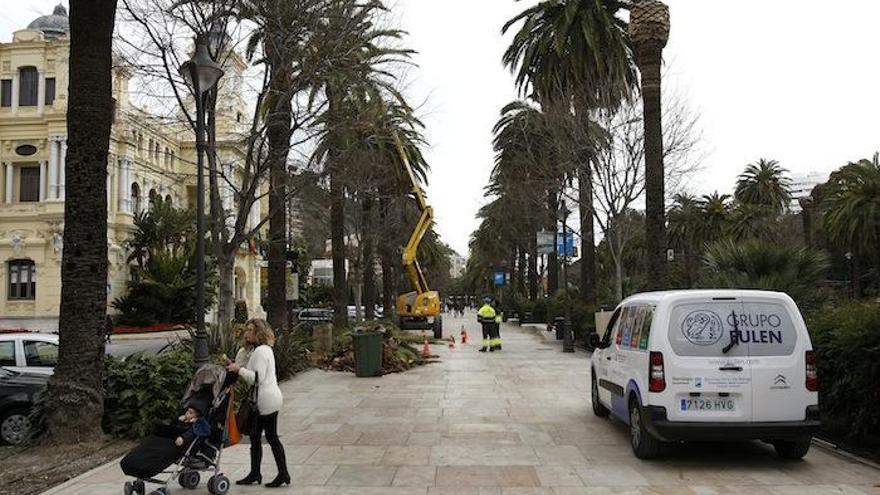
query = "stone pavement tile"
{"x": 415, "y": 476}
{"x": 361, "y": 476}
{"x": 615, "y": 476}
{"x": 481, "y": 438}
{"x": 383, "y": 438}
{"x": 462, "y": 490}
{"x": 478, "y": 428}
{"x": 483, "y": 456}
{"x": 599, "y": 490}
{"x": 424, "y": 438}
{"x": 360, "y": 490}
{"x": 89, "y": 489}
{"x": 518, "y": 490}
{"x": 487, "y": 476}
{"x": 536, "y": 438}
{"x": 560, "y": 455}
{"x": 558, "y": 476}
{"x": 355, "y": 454}
{"x": 306, "y": 475}
{"x": 323, "y": 428}
{"x": 729, "y": 490}
{"x": 815, "y": 490}
{"x": 397, "y": 455}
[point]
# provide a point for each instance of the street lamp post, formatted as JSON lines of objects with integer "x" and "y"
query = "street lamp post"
{"x": 201, "y": 73}
{"x": 567, "y": 338}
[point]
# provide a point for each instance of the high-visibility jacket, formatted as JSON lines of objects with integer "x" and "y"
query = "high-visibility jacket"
{"x": 486, "y": 314}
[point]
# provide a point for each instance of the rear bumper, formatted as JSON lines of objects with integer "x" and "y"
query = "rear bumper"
{"x": 671, "y": 431}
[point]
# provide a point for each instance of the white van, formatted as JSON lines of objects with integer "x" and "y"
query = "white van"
{"x": 708, "y": 365}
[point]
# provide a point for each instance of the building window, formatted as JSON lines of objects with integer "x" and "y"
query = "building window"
{"x": 22, "y": 280}
{"x": 28, "y": 79}
{"x": 50, "y": 91}
{"x": 29, "y": 185}
{"x": 6, "y": 93}
{"x": 135, "y": 198}
{"x": 7, "y": 353}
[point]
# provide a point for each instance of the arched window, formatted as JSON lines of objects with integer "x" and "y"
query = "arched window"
{"x": 135, "y": 198}
{"x": 28, "y": 80}
{"x": 22, "y": 280}
{"x": 169, "y": 200}
{"x": 153, "y": 195}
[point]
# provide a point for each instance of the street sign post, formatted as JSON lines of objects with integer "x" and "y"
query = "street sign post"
{"x": 545, "y": 242}
{"x": 500, "y": 278}
{"x": 565, "y": 248}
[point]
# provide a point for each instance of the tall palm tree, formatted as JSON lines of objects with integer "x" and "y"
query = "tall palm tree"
{"x": 764, "y": 184}
{"x": 356, "y": 66}
{"x": 649, "y": 30}
{"x": 716, "y": 215}
{"x": 851, "y": 209}
{"x": 574, "y": 54}
{"x": 75, "y": 397}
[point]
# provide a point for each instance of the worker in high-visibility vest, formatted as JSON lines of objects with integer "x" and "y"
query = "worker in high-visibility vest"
{"x": 495, "y": 341}
{"x": 486, "y": 316}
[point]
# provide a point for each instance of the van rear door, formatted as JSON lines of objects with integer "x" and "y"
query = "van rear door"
{"x": 708, "y": 375}
{"x": 777, "y": 359}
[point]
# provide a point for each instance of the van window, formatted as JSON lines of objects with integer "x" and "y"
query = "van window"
{"x": 7, "y": 353}
{"x": 745, "y": 328}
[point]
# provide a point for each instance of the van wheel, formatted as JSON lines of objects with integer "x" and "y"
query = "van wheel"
{"x": 792, "y": 449}
{"x": 644, "y": 445}
{"x": 598, "y": 409}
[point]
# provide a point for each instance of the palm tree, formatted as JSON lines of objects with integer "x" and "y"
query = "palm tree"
{"x": 649, "y": 30}
{"x": 716, "y": 215}
{"x": 851, "y": 209}
{"x": 756, "y": 264}
{"x": 75, "y": 396}
{"x": 764, "y": 184}
{"x": 574, "y": 54}
{"x": 685, "y": 231}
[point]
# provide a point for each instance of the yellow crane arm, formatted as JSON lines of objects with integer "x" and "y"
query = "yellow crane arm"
{"x": 410, "y": 264}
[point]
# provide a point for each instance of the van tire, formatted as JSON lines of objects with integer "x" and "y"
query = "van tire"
{"x": 792, "y": 449}
{"x": 644, "y": 445}
{"x": 598, "y": 409}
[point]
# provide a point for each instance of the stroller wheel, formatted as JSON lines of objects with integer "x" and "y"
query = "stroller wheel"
{"x": 140, "y": 488}
{"x": 218, "y": 485}
{"x": 189, "y": 479}
{"x": 128, "y": 488}
{"x": 160, "y": 491}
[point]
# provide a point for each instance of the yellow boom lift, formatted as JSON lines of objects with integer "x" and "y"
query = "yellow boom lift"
{"x": 418, "y": 309}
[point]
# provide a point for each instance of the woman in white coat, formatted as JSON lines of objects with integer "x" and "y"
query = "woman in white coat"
{"x": 256, "y": 362}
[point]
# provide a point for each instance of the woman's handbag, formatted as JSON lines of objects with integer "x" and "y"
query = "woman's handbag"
{"x": 247, "y": 411}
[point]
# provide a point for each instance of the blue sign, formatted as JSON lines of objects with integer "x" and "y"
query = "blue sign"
{"x": 500, "y": 278}
{"x": 568, "y": 249}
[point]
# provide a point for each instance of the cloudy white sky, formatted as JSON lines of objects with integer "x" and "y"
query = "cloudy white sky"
{"x": 792, "y": 80}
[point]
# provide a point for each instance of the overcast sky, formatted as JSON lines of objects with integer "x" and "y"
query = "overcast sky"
{"x": 792, "y": 80}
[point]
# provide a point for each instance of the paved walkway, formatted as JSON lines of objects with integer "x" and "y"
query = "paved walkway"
{"x": 511, "y": 423}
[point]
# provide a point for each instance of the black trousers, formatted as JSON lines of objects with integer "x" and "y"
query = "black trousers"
{"x": 269, "y": 424}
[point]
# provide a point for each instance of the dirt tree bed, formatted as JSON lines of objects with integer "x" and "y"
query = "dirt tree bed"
{"x": 31, "y": 470}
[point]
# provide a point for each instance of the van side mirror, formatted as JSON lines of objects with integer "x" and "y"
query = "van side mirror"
{"x": 595, "y": 341}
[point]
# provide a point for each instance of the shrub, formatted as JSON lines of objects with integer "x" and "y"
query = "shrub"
{"x": 143, "y": 390}
{"x": 291, "y": 353}
{"x": 847, "y": 343}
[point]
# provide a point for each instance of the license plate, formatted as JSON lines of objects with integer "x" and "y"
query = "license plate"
{"x": 699, "y": 404}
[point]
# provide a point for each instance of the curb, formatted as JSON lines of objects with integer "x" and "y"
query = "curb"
{"x": 837, "y": 451}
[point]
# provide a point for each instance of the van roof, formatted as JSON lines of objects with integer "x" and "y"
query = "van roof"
{"x": 678, "y": 295}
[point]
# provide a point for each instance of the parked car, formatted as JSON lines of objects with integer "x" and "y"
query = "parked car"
{"x": 708, "y": 365}
{"x": 29, "y": 352}
{"x": 18, "y": 392}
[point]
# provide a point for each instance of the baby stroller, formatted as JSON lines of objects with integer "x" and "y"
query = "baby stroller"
{"x": 209, "y": 393}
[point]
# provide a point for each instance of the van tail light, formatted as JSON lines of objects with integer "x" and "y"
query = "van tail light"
{"x": 812, "y": 373}
{"x": 657, "y": 374}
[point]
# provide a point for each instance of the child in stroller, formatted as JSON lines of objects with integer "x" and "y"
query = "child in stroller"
{"x": 193, "y": 444}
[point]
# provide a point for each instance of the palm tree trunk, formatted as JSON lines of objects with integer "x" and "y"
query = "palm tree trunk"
{"x": 552, "y": 262}
{"x": 588, "y": 250}
{"x": 386, "y": 258}
{"x": 75, "y": 403}
{"x": 533, "y": 267}
{"x": 337, "y": 242}
{"x": 278, "y": 130}
{"x": 369, "y": 258}
{"x": 521, "y": 270}
{"x": 649, "y": 60}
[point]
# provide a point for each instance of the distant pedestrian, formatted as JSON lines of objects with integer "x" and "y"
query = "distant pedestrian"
{"x": 486, "y": 317}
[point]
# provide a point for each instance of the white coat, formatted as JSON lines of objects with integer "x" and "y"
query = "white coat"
{"x": 261, "y": 362}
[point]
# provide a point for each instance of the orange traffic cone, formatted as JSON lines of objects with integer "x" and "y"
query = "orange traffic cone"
{"x": 452, "y": 342}
{"x": 464, "y": 336}
{"x": 426, "y": 349}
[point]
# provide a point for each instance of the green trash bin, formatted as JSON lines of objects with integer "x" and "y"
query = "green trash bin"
{"x": 367, "y": 353}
